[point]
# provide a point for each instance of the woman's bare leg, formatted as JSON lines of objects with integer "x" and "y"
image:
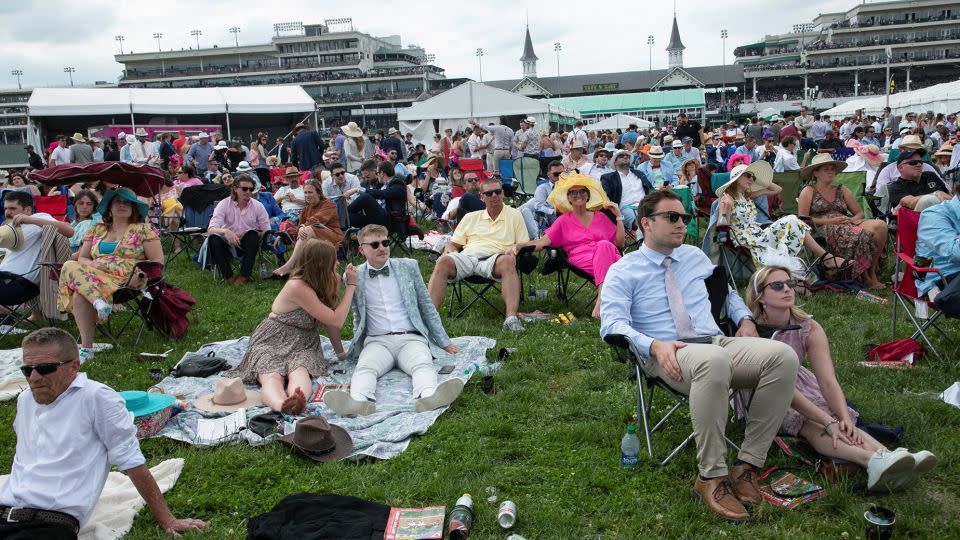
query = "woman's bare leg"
{"x": 86, "y": 318}
{"x": 272, "y": 392}
{"x": 299, "y": 384}
{"x": 823, "y": 444}
{"x": 596, "y": 305}
{"x": 303, "y": 234}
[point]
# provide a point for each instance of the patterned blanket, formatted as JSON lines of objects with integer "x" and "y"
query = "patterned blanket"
{"x": 381, "y": 435}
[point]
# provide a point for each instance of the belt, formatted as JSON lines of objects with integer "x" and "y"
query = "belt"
{"x": 699, "y": 340}
{"x": 16, "y": 514}
{"x": 500, "y": 149}
{"x": 402, "y": 333}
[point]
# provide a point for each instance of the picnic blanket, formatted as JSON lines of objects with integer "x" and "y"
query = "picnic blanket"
{"x": 119, "y": 501}
{"x": 381, "y": 435}
{"x": 12, "y": 381}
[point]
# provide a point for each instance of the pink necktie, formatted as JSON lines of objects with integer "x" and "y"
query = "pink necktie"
{"x": 675, "y": 299}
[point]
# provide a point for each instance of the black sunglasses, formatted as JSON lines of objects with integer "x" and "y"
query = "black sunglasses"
{"x": 377, "y": 243}
{"x": 493, "y": 192}
{"x": 42, "y": 369}
{"x": 779, "y": 285}
{"x": 245, "y": 188}
{"x": 341, "y": 173}
{"x": 913, "y": 162}
{"x": 578, "y": 192}
{"x": 673, "y": 216}
{"x": 469, "y": 180}
{"x": 555, "y": 174}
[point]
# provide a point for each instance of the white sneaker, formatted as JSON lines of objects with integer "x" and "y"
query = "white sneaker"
{"x": 923, "y": 461}
{"x": 445, "y": 394}
{"x": 344, "y": 405}
{"x": 887, "y": 469}
{"x": 512, "y": 324}
{"x": 86, "y": 354}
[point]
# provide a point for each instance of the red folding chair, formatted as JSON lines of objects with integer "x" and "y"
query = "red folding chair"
{"x": 55, "y": 205}
{"x": 904, "y": 286}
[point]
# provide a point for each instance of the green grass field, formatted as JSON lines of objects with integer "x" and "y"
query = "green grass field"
{"x": 548, "y": 439}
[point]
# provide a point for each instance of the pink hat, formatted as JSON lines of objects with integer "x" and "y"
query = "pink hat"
{"x": 870, "y": 153}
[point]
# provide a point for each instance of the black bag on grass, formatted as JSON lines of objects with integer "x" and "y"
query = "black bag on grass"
{"x": 200, "y": 365}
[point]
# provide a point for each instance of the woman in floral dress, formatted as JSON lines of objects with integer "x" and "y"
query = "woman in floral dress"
{"x": 780, "y": 242}
{"x": 107, "y": 258}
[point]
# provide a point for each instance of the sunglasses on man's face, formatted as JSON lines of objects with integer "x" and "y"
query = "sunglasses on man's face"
{"x": 779, "y": 285}
{"x": 341, "y": 173}
{"x": 469, "y": 180}
{"x": 244, "y": 188}
{"x": 493, "y": 192}
{"x": 42, "y": 369}
{"x": 673, "y": 216}
{"x": 913, "y": 162}
{"x": 377, "y": 243}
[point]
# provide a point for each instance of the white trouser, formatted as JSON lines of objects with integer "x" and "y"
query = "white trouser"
{"x": 409, "y": 352}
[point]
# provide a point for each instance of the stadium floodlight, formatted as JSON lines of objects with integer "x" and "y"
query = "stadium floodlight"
{"x": 345, "y": 21}
{"x": 294, "y": 26}
{"x": 17, "y": 73}
{"x": 70, "y": 71}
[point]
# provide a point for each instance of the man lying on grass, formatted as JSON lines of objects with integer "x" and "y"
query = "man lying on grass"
{"x": 69, "y": 430}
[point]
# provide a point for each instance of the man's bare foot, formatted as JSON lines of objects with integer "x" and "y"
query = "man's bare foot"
{"x": 294, "y": 404}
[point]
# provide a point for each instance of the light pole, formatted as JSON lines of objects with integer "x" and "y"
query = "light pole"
{"x": 120, "y": 40}
{"x": 557, "y": 48}
{"x": 650, "y": 45}
{"x": 236, "y": 42}
{"x": 889, "y": 53}
{"x": 69, "y": 70}
{"x": 480, "y": 61}
{"x": 17, "y": 73}
{"x": 163, "y": 69}
{"x": 197, "y": 33}
{"x": 723, "y": 71}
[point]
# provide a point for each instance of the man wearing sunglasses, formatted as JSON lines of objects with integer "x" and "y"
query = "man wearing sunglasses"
{"x": 600, "y": 165}
{"x": 539, "y": 203}
{"x": 657, "y": 298}
{"x": 482, "y": 245}
{"x": 235, "y": 230}
{"x": 70, "y": 430}
{"x": 394, "y": 325}
{"x": 915, "y": 189}
{"x": 626, "y": 186}
{"x": 387, "y": 194}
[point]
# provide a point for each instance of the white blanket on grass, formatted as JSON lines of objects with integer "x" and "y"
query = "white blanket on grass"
{"x": 119, "y": 501}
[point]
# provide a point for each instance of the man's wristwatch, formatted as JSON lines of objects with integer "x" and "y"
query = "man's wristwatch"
{"x": 748, "y": 318}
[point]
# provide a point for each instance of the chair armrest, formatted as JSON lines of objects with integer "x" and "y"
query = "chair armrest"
{"x": 619, "y": 341}
{"x": 918, "y": 270}
{"x": 771, "y": 330}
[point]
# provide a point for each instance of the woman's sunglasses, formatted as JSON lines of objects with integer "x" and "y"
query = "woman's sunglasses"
{"x": 578, "y": 193}
{"x": 779, "y": 285}
{"x": 42, "y": 369}
{"x": 673, "y": 216}
{"x": 377, "y": 243}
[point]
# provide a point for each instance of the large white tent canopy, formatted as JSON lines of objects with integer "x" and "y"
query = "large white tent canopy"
{"x": 940, "y": 98}
{"x": 453, "y": 108}
{"x": 619, "y": 121}
{"x": 169, "y": 101}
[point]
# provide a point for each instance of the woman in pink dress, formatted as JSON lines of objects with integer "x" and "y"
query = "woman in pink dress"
{"x": 590, "y": 237}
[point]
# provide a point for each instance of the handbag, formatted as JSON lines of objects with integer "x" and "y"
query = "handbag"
{"x": 199, "y": 365}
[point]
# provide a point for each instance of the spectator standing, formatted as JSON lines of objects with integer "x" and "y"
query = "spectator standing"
{"x": 307, "y": 147}
{"x": 80, "y": 151}
{"x": 60, "y": 154}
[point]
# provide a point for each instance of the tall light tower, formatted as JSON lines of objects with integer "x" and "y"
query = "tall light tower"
{"x": 163, "y": 68}
{"x": 480, "y": 62}
{"x": 120, "y": 40}
{"x": 197, "y": 33}
{"x": 557, "y": 48}
{"x": 17, "y": 73}
{"x": 70, "y": 70}
{"x": 650, "y": 45}
{"x": 723, "y": 71}
{"x": 236, "y": 35}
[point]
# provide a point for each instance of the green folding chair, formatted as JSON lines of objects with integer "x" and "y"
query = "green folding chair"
{"x": 856, "y": 182}
{"x": 693, "y": 228}
{"x": 526, "y": 170}
{"x": 791, "y": 184}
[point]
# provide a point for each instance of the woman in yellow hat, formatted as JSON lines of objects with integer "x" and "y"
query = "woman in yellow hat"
{"x": 591, "y": 239}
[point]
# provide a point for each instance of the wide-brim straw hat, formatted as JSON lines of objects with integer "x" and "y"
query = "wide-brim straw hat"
{"x": 945, "y": 151}
{"x": 273, "y": 161}
{"x": 78, "y": 137}
{"x": 11, "y": 237}
{"x": 352, "y": 130}
{"x": 558, "y": 196}
{"x": 292, "y": 172}
{"x": 141, "y": 132}
{"x": 820, "y": 160}
{"x": 229, "y": 395}
{"x": 762, "y": 173}
{"x": 870, "y": 153}
{"x": 684, "y": 164}
{"x": 655, "y": 152}
{"x": 911, "y": 141}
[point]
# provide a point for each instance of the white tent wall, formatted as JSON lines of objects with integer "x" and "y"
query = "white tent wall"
{"x": 940, "y": 98}
{"x": 422, "y": 131}
{"x": 619, "y": 121}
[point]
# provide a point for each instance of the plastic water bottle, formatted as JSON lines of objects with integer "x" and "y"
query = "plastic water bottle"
{"x": 630, "y": 448}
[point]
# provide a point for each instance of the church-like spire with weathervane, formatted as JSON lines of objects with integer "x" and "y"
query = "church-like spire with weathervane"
{"x": 529, "y": 59}
{"x": 675, "y": 48}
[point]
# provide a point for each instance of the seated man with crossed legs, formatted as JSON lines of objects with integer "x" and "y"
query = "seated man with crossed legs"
{"x": 657, "y": 298}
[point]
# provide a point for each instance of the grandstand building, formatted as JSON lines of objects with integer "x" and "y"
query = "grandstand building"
{"x": 350, "y": 74}
{"x": 13, "y": 127}
{"x": 839, "y": 56}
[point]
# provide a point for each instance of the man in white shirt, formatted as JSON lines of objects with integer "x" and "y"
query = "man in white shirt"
{"x": 144, "y": 152}
{"x": 341, "y": 188}
{"x": 70, "y": 430}
{"x": 290, "y": 196}
{"x": 18, "y": 209}
{"x": 805, "y": 121}
{"x": 60, "y": 154}
{"x": 473, "y": 142}
{"x": 600, "y": 165}
{"x": 909, "y": 121}
{"x": 578, "y": 134}
{"x": 394, "y": 324}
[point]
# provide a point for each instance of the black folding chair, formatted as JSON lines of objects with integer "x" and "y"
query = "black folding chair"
{"x": 478, "y": 286}
{"x": 136, "y": 304}
{"x": 555, "y": 261}
{"x": 18, "y": 296}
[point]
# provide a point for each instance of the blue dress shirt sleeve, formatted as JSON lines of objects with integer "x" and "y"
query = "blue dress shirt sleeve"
{"x": 616, "y": 301}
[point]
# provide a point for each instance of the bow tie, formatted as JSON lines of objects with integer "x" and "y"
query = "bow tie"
{"x": 385, "y": 272}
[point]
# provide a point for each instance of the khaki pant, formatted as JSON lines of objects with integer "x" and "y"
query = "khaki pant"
{"x": 710, "y": 371}
{"x": 493, "y": 159}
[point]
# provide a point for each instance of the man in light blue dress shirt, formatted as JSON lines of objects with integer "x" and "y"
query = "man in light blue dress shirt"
{"x": 657, "y": 298}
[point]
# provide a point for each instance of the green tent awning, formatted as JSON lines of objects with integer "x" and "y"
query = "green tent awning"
{"x": 640, "y": 101}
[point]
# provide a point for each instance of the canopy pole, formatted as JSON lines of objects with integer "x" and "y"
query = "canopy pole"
{"x": 133, "y": 122}
{"x": 227, "y": 108}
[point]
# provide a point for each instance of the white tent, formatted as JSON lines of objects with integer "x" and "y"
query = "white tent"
{"x": 940, "y": 98}
{"x": 619, "y": 121}
{"x": 474, "y": 100}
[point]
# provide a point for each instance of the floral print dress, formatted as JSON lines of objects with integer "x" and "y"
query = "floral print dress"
{"x": 101, "y": 277}
{"x": 843, "y": 240}
{"x": 783, "y": 238}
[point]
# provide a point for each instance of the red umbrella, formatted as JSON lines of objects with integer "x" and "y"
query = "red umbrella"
{"x": 142, "y": 179}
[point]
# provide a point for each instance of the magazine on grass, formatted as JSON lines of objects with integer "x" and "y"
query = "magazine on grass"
{"x": 415, "y": 523}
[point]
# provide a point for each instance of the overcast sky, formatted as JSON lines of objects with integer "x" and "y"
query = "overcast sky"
{"x": 44, "y": 36}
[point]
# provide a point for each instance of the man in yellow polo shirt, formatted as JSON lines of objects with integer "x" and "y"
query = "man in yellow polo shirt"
{"x": 481, "y": 246}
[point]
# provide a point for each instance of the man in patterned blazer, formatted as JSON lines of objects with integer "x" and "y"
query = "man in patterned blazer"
{"x": 394, "y": 324}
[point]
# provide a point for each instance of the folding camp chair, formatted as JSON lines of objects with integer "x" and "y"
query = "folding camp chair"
{"x": 526, "y": 170}
{"x": 56, "y": 205}
{"x": 906, "y": 295}
{"x": 136, "y": 305}
{"x": 555, "y": 261}
{"x": 647, "y": 385}
{"x": 479, "y": 286}
{"x": 791, "y": 184}
{"x": 693, "y": 228}
{"x": 18, "y": 296}
{"x": 855, "y": 182}
{"x": 402, "y": 228}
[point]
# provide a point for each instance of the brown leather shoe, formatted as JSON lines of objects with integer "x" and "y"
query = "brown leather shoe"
{"x": 718, "y": 494}
{"x": 240, "y": 280}
{"x": 230, "y": 280}
{"x": 744, "y": 480}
